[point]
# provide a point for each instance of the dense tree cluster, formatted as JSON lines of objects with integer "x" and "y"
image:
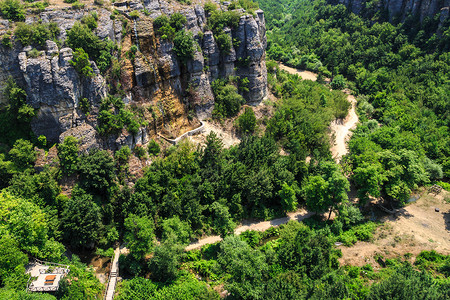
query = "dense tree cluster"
{"x": 400, "y": 72}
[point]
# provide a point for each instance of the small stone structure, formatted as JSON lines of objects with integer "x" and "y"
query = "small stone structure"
{"x": 45, "y": 276}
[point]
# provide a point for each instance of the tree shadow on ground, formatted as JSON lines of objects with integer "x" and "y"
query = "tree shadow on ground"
{"x": 446, "y": 216}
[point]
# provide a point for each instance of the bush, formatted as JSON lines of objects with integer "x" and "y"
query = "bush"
{"x": 177, "y": 21}
{"x": 78, "y": 5}
{"x": 6, "y": 40}
{"x": 153, "y": 147}
{"x": 36, "y": 33}
{"x": 161, "y": 21}
{"x": 139, "y": 151}
{"x": 210, "y": 7}
{"x": 80, "y": 36}
{"x": 227, "y": 100}
{"x": 90, "y": 20}
{"x": 33, "y": 53}
{"x": 12, "y": 10}
{"x": 247, "y": 121}
{"x": 134, "y": 14}
{"x": 81, "y": 63}
{"x": 338, "y": 82}
{"x": 183, "y": 46}
{"x": 219, "y": 20}
{"x": 224, "y": 42}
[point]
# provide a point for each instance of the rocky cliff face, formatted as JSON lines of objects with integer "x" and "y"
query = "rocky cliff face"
{"x": 155, "y": 83}
{"x": 400, "y": 9}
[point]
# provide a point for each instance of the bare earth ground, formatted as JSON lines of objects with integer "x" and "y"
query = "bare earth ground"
{"x": 340, "y": 129}
{"x": 305, "y": 75}
{"x": 418, "y": 227}
{"x": 249, "y": 225}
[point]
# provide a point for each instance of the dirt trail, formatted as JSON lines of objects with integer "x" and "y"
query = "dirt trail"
{"x": 305, "y": 75}
{"x": 228, "y": 138}
{"x": 416, "y": 228}
{"x": 248, "y": 225}
{"x": 341, "y": 130}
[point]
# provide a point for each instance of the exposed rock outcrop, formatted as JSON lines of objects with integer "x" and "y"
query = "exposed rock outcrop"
{"x": 55, "y": 88}
{"x": 398, "y": 9}
{"x": 167, "y": 93}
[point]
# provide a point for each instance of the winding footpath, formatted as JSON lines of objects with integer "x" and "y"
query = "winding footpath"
{"x": 340, "y": 129}
{"x": 258, "y": 226}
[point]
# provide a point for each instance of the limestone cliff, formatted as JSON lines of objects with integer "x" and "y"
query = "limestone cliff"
{"x": 399, "y": 9}
{"x": 168, "y": 95}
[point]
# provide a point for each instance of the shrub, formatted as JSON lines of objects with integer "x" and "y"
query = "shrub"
{"x": 177, "y": 21}
{"x": 183, "y": 46}
{"x": 78, "y": 5}
{"x": 134, "y": 14}
{"x": 80, "y": 36}
{"x": 227, "y": 101}
{"x": 90, "y": 20}
{"x": 12, "y": 10}
{"x": 247, "y": 121}
{"x": 33, "y": 53}
{"x": 224, "y": 42}
{"x": 153, "y": 148}
{"x": 161, "y": 21}
{"x": 219, "y": 20}
{"x": 81, "y": 63}
{"x": 36, "y": 33}
{"x": 70, "y": 1}
{"x": 210, "y": 7}
{"x": 338, "y": 82}
{"x": 6, "y": 40}
{"x": 139, "y": 151}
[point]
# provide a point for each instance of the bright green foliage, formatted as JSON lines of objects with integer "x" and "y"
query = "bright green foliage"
{"x": 80, "y": 283}
{"x": 42, "y": 188}
{"x": 10, "y": 256}
{"x": 68, "y": 155}
{"x": 327, "y": 190}
{"x": 227, "y": 100}
{"x": 23, "y": 155}
{"x": 288, "y": 198}
{"x": 96, "y": 171}
{"x": 210, "y": 7}
{"x": 25, "y": 222}
{"x": 174, "y": 229}
{"x": 218, "y": 20}
{"x": 123, "y": 155}
{"x": 90, "y": 20}
{"x": 139, "y": 235}
{"x": 406, "y": 283}
{"x": 183, "y": 46}
{"x": 223, "y": 40}
{"x": 81, "y": 63}
{"x": 12, "y": 10}
{"x": 164, "y": 263}
{"x": 338, "y": 82}
{"x": 153, "y": 147}
{"x": 81, "y": 36}
{"x": 309, "y": 252}
{"x": 113, "y": 117}
{"x": 246, "y": 266}
{"x": 17, "y": 102}
{"x": 223, "y": 223}
{"x": 81, "y": 220}
{"x": 21, "y": 294}
{"x": 177, "y": 21}
{"x": 185, "y": 288}
{"x": 36, "y": 33}
{"x": 247, "y": 121}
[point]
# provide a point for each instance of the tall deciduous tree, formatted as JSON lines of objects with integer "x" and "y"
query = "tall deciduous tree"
{"x": 139, "y": 235}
